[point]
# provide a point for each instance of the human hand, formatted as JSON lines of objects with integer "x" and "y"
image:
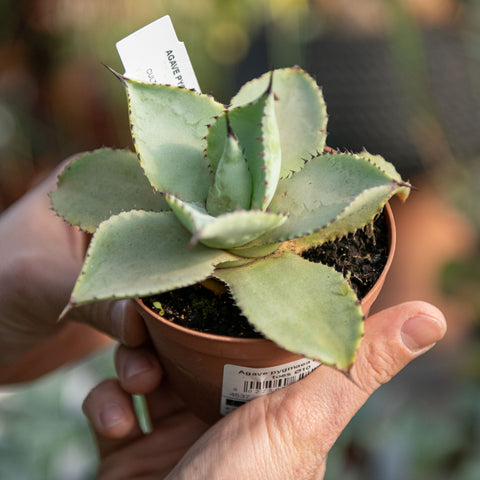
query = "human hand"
{"x": 41, "y": 257}
{"x": 285, "y": 435}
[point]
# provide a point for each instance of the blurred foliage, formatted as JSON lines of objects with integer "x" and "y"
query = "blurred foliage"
{"x": 400, "y": 77}
{"x": 43, "y": 433}
{"x": 428, "y": 432}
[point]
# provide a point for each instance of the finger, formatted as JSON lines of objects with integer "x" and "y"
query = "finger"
{"x": 313, "y": 413}
{"x": 393, "y": 338}
{"x": 138, "y": 369}
{"x": 110, "y": 413}
{"x": 119, "y": 319}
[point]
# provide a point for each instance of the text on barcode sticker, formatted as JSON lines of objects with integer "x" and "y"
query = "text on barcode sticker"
{"x": 242, "y": 384}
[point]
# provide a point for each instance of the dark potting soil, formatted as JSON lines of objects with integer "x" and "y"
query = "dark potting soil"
{"x": 359, "y": 256}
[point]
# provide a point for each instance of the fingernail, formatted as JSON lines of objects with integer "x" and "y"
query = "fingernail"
{"x": 138, "y": 364}
{"x": 111, "y": 414}
{"x": 421, "y": 332}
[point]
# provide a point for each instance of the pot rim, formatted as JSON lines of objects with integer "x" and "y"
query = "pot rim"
{"x": 367, "y": 300}
{"x": 372, "y": 294}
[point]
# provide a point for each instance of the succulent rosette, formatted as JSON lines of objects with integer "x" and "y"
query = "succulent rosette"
{"x": 234, "y": 193}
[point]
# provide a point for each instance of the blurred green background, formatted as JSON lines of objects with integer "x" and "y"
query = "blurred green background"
{"x": 400, "y": 78}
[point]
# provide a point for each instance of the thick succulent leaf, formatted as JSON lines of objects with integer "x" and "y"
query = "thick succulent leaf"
{"x": 232, "y": 186}
{"x": 366, "y": 206}
{"x": 227, "y": 231}
{"x": 333, "y": 195}
{"x": 255, "y": 126}
{"x": 235, "y": 229}
{"x": 234, "y": 263}
{"x": 305, "y": 307}
{"x": 300, "y": 111}
{"x": 255, "y": 252}
{"x": 193, "y": 216}
{"x": 389, "y": 170}
{"x": 140, "y": 253}
{"x": 102, "y": 183}
{"x": 168, "y": 128}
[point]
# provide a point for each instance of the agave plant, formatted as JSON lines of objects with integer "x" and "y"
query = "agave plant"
{"x": 234, "y": 193}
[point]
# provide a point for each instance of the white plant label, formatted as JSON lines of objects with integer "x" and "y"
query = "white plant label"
{"x": 242, "y": 384}
{"x": 153, "y": 54}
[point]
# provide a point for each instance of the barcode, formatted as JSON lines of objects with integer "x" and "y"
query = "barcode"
{"x": 234, "y": 403}
{"x": 242, "y": 384}
{"x": 255, "y": 385}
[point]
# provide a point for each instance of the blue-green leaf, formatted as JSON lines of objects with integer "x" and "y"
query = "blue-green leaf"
{"x": 168, "y": 127}
{"x": 135, "y": 254}
{"x": 232, "y": 186}
{"x": 305, "y": 307}
{"x": 255, "y": 126}
{"x": 98, "y": 184}
{"x": 227, "y": 231}
{"x": 334, "y": 194}
{"x": 300, "y": 112}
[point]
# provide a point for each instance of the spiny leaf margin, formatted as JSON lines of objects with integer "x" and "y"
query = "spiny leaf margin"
{"x": 327, "y": 325}
{"x": 101, "y": 183}
{"x": 335, "y": 194}
{"x": 149, "y": 247}
{"x": 300, "y": 110}
{"x": 171, "y": 142}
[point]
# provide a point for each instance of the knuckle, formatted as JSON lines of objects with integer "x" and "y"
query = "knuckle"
{"x": 18, "y": 270}
{"x": 18, "y": 274}
{"x": 375, "y": 368}
{"x": 98, "y": 393}
{"x": 296, "y": 425}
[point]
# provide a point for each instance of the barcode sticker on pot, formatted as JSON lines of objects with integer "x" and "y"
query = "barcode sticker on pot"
{"x": 153, "y": 54}
{"x": 242, "y": 384}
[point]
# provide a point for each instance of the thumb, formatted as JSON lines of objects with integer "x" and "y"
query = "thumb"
{"x": 392, "y": 339}
{"x": 325, "y": 401}
{"x": 118, "y": 319}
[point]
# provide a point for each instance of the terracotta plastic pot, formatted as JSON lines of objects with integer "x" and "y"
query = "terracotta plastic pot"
{"x": 195, "y": 362}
